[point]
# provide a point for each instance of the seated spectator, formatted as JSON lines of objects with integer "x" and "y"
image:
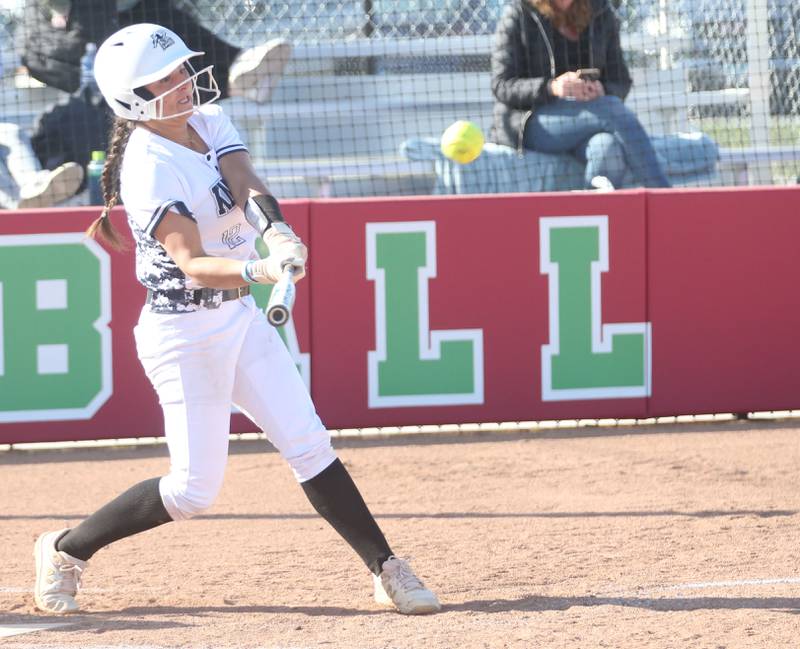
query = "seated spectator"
{"x": 543, "y": 103}
{"x": 23, "y": 183}
{"x": 73, "y": 127}
{"x": 56, "y": 33}
{"x": 252, "y": 73}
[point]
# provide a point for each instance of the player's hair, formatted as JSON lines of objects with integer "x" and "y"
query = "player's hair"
{"x": 109, "y": 182}
{"x": 577, "y": 17}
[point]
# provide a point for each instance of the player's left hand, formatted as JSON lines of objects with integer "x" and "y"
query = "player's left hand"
{"x": 270, "y": 269}
{"x": 286, "y": 248}
{"x": 298, "y": 267}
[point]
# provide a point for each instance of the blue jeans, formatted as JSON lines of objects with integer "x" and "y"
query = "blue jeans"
{"x": 603, "y": 133}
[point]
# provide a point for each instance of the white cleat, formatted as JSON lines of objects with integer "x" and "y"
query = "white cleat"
{"x": 58, "y": 576}
{"x": 51, "y": 187}
{"x": 256, "y": 71}
{"x": 398, "y": 586}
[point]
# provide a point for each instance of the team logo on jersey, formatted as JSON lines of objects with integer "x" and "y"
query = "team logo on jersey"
{"x": 232, "y": 238}
{"x": 224, "y": 198}
{"x": 162, "y": 39}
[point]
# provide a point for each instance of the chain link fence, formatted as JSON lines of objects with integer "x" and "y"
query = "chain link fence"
{"x": 372, "y": 84}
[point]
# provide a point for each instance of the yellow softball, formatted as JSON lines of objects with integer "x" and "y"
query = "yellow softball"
{"x": 462, "y": 141}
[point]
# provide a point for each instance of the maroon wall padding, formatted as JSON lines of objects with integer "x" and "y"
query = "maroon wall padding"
{"x": 715, "y": 272}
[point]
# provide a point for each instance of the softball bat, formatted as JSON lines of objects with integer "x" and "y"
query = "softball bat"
{"x": 281, "y": 301}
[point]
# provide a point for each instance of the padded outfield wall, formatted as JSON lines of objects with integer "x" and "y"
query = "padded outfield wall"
{"x": 444, "y": 310}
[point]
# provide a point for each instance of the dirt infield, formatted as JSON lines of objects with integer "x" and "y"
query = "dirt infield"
{"x": 687, "y": 535}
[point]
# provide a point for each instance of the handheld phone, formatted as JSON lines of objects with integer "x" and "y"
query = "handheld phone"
{"x": 589, "y": 74}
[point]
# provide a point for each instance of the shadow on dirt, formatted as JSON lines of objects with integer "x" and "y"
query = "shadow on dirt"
{"x": 537, "y": 603}
{"x": 17, "y": 456}
{"x": 202, "y": 611}
{"x": 147, "y": 617}
{"x": 667, "y": 513}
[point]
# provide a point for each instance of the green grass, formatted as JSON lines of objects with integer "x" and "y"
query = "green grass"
{"x": 786, "y": 173}
{"x": 735, "y": 131}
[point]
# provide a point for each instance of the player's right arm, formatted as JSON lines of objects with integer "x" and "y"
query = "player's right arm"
{"x": 156, "y": 205}
{"x": 181, "y": 239}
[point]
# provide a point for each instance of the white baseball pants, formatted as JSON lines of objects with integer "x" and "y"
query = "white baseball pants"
{"x": 199, "y": 364}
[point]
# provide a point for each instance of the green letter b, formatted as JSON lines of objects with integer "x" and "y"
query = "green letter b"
{"x": 55, "y": 345}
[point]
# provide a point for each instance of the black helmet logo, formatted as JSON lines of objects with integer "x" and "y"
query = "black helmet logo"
{"x": 161, "y": 39}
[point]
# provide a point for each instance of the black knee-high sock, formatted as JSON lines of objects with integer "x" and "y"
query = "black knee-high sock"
{"x": 138, "y": 509}
{"x": 336, "y": 498}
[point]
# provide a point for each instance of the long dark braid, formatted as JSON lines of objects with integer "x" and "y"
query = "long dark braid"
{"x": 109, "y": 182}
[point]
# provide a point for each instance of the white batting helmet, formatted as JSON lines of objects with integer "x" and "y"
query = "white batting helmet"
{"x": 141, "y": 54}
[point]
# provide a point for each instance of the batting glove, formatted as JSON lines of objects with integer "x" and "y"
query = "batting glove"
{"x": 283, "y": 251}
{"x": 287, "y": 249}
{"x": 261, "y": 271}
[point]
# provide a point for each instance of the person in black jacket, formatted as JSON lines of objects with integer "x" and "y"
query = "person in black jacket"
{"x": 55, "y": 34}
{"x": 251, "y": 73}
{"x": 559, "y": 80}
{"x": 73, "y": 127}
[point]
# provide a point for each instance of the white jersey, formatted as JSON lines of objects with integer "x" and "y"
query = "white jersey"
{"x": 158, "y": 176}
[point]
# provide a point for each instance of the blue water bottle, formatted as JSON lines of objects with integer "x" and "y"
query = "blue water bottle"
{"x": 93, "y": 172}
{"x": 87, "y": 67}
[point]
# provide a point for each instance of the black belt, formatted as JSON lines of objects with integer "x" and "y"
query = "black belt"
{"x": 208, "y": 297}
{"x": 205, "y": 295}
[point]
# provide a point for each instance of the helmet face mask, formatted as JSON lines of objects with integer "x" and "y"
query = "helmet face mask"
{"x": 139, "y": 55}
{"x": 204, "y": 91}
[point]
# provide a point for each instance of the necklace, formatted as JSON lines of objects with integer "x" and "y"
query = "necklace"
{"x": 194, "y": 142}
{"x": 191, "y": 140}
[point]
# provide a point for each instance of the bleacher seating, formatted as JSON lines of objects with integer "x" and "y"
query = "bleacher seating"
{"x": 330, "y": 134}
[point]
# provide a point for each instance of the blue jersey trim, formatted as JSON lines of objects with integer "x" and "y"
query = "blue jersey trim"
{"x": 161, "y": 212}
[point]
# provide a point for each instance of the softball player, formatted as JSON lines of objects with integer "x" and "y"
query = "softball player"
{"x": 195, "y": 208}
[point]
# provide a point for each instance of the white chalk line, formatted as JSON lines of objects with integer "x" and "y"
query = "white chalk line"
{"x": 735, "y": 583}
{"x": 706, "y": 585}
{"x": 29, "y": 589}
{"x": 8, "y": 630}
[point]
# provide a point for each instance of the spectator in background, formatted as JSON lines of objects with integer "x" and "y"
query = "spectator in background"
{"x": 70, "y": 129}
{"x": 542, "y": 103}
{"x": 54, "y": 36}
{"x": 56, "y": 33}
{"x": 23, "y": 182}
{"x": 252, "y": 73}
